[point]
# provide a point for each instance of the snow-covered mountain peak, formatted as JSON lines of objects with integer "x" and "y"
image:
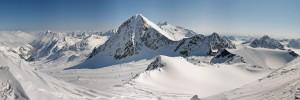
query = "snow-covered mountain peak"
{"x": 294, "y": 43}
{"x": 132, "y": 36}
{"x": 135, "y": 26}
{"x": 266, "y": 42}
{"x": 266, "y": 37}
{"x": 214, "y": 35}
{"x": 138, "y": 38}
{"x": 49, "y": 35}
{"x": 203, "y": 45}
{"x": 50, "y": 46}
{"x": 136, "y": 21}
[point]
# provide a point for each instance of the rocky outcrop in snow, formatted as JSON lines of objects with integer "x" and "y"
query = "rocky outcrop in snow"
{"x": 224, "y": 56}
{"x": 195, "y": 97}
{"x": 155, "y": 64}
{"x": 266, "y": 42}
{"x": 203, "y": 45}
{"x": 293, "y": 53}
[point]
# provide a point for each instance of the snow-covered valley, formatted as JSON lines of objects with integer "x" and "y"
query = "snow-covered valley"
{"x": 142, "y": 60}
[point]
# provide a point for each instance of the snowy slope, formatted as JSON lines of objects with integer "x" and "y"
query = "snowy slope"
{"x": 52, "y": 45}
{"x": 61, "y": 50}
{"x": 174, "y": 75}
{"x": 282, "y": 84}
{"x": 267, "y": 58}
{"x": 36, "y": 84}
{"x": 176, "y": 32}
{"x": 10, "y": 87}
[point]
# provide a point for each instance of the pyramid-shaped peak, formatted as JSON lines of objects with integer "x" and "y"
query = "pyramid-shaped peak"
{"x": 214, "y": 34}
{"x": 137, "y": 23}
{"x": 265, "y": 37}
{"x": 138, "y": 17}
{"x": 267, "y": 42}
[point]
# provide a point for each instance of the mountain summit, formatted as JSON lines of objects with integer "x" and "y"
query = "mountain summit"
{"x": 132, "y": 36}
{"x": 135, "y": 38}
{"x": 266, "y": 42}
{"x": 139, "y": 38}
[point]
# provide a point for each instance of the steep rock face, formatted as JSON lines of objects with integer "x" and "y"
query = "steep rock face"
{"x": 294, "y": 43}
{"x": 132, "y": 36}
{"x": 224, "y": 56}
{"x": 266, "y": 42}
{"x": 203, "y": 45}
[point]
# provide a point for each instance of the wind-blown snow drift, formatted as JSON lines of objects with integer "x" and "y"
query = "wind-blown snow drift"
{"x": 176, "y": 75}
{"x": 281, "y": 84}
{"x": 267, "y": 58}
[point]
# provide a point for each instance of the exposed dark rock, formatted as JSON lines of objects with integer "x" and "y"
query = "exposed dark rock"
{"x": 224, "y": 56}
{"x": 155, "y": 64}
{"x": 293, "y": 53}
{"x": 203, "y": 45}
{"x": 266, "y": 42}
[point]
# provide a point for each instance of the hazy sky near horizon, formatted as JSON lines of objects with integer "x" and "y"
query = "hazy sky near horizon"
{"x": 274, "y": 17}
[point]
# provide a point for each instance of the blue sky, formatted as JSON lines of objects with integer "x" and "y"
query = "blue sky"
{"x": 277, "y": 17}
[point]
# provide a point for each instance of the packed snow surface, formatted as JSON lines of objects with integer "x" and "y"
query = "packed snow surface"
{"x": 10, "y": 88}
{"x": 282, "y": 84}
{"x": 178, "y": 76}
{"x": 270, "y": 58}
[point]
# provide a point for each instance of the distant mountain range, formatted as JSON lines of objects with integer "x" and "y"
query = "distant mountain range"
{"x": 144, "y": 60}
